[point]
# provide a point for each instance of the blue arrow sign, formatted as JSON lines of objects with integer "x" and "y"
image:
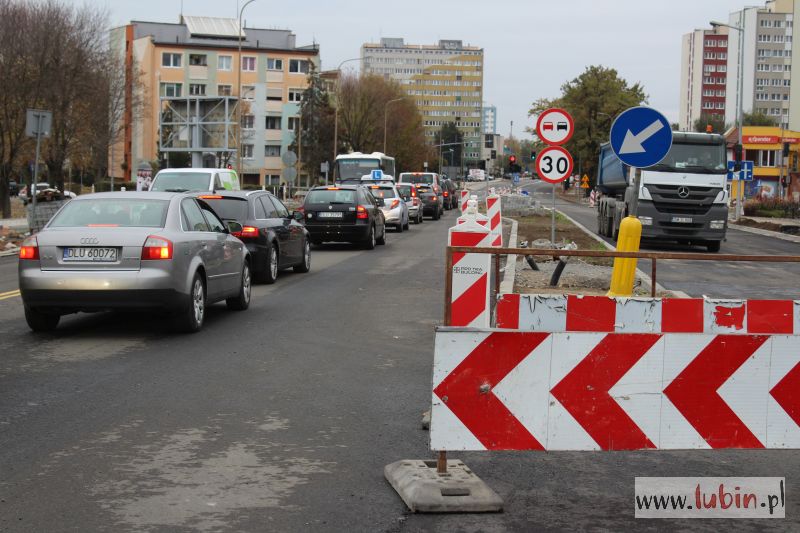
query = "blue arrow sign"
{"x": 747, "y": 168}
{"x": 641, "y": 137}
{"x": 745, "y": 174}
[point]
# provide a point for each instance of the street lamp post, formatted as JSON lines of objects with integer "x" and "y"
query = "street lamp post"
{"x": 336, "y": 109}
{"x": 239, "y": 103}
{"x": 386, "y": 117}
{"x": 740, "y": 100}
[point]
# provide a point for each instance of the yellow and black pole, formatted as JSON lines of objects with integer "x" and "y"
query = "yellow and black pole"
{"x": 630, "y": 235}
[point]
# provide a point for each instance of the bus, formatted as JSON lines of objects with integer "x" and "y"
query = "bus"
{"x": 354, "y": 166}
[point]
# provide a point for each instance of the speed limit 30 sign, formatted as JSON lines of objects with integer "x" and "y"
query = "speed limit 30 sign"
{"x": 554, "y": 164}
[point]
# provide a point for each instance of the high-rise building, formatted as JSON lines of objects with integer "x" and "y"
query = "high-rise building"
{"x": 445, "y": 80}
{"x": 767, "y": 36}
{"x": 490, "y": 119}
{"x": 704, "y": 65}
{"x": 198, "y": 59}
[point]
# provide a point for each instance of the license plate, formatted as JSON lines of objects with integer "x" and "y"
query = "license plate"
{"x": 86, "y": 254}
{"x": 682, "y": 220}
{"x": 331, "y": 214}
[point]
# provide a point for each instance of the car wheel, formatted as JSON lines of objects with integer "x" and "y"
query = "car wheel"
{"x": 382, "y": 239}
{"x": 399, "y": 228}
{"x": 191, "y": 319}
{"x": 713, "y": 246}
{"x": 436, "y": 215}
{"x": 242, "y": 300}
{"x": 369, "y": 244}
{"x": 407, "y": 225}
{"x": 420, "y": 218}
{"x": 305, "y": 266}
{"x": 40, "y": 321}
{"x": 271, "y": 273}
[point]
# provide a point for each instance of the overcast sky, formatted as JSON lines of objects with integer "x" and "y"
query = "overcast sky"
{"x": 531, "y": 46}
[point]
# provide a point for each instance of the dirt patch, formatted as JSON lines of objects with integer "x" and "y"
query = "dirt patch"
{"x": 769, "y": 226}
{"x": 538, "y": 227}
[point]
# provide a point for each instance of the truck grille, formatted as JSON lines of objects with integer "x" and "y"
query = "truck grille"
{"x": 667, "y": 199}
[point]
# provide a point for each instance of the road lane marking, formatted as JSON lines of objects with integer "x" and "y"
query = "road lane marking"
{"x": 9, "y": 294}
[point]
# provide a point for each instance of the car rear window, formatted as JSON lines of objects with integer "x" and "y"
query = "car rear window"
{"x": 113, "y": 212}
{"x": 229, "y": 208}
{"x": 331, "y": 196}
{"x": 181, "y": 181}
{"x": 382, "y": 192}
{"x": 417, "y": 178}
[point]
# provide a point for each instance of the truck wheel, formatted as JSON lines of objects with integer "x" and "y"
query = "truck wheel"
{"x": 599, "y": 224}
{"x": 609, "y": 226}
{"x": 713, "y": 246}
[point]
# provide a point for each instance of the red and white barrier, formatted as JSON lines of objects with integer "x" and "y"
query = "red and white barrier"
{"x": 470, "y": 296}
{"x": 494, "y": 212}
{"x": 463, "y": 200}
{"x": 523, "y": 390}
{"x": 592, "y": 198}
{"x": 538, "y": 312}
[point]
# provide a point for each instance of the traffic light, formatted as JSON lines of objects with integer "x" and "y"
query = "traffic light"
{"x": 512, "y": 159}
{"x": 533, "y": 155}
{"x": 482, "y": 164}
{"x": 488, "y": 141}
{"x": 494, "y": 154}
{"x": 785, "y": 149}
{"x": 737, "y": 157}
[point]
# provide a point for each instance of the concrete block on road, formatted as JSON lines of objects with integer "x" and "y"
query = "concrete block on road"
{"x": 425, "y": 491}
{"x": 426, "y": 420}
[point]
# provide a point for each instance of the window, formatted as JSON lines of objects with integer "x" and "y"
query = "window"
{"x": 171, "y": 60}
{"x": 197, "y": 89}
{"x": 279, "y": 207}
{"x": 274, "y": 64}
{"x": 272, "y": 123}
{"x": 192, "y": 216}
{"x": 272, "y": 150}
{"x": 248, "y": 121}
{"x": 269, "y": 207}
{"x": 249, "y": 63}
{"x": 247, "y": 151}
{"x": 294, "y": 123}
{"x": 214, "y": 223}
{"x": 171, "y": 90}
{"x": 199, "y": 60}
{"x": 248, "y": 92}
{"x": 295, "y": 95}
{"x": 224, "y": 62}
{"x": 223, "y": 90}
{"x": 275, "y": 94}
{"x": 258, "y": 207}
{"x": 298, "y": 66}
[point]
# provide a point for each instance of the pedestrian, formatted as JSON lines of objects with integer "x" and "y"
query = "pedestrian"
{"x": 281, "y": 191}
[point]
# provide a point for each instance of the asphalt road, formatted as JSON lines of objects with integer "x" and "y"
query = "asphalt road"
{"x": 282, "y": 418}
{"x": 713, "y": 279}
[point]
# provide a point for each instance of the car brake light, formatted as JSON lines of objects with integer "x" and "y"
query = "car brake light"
{"x": 434, "y": 198}
{"x": 210, "y": 197}
{"x": 361, "y": 212}
{"x": 395, "y": 203}
{"x": 332, "y": 189}
{"x": 29, "y": 249}
{"x": 156, "y": 247}
{"x": 416, "y": 201}
{"x": 446, "y": 194}
{"x": 248, "y": 232}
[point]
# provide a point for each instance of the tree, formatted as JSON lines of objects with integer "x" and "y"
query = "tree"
{"x": 758, "y": 119}
{"x": 593, "y": 99}
{"x": 316, "y": 125}
{"x": 717, "y": 123}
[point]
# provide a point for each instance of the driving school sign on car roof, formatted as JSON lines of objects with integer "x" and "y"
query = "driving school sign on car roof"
{"x": 555, "y": 126}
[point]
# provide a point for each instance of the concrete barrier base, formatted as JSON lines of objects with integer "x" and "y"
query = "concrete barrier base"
{"x": 425, "y": 491}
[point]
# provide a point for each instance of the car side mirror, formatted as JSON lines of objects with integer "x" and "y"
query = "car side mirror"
{"x": 297, "y": 215}
{"x": 233, "y": 227}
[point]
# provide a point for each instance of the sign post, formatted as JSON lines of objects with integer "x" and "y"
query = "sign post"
{"x": 554, "y": 164}
{"x": 324, "y": 167}
{"x": 37, "y": 124}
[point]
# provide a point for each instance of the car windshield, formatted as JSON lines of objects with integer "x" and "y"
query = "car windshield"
{"x": 417, "y": 178}
{"x": 229, "y": 208}
{"x": 331, "y": 196}
{"x": 700, "y": 158}
{"x": 112, "y": 212}
{"x": 404, "y": 190}
{"x": 180, "y": 181}
{"x": 355, "y": 169}
{"x": 382, "y": 192}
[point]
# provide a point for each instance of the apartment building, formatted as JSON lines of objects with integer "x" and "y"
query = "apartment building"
{"x": 198, "y": 58}
{"x": 445, "y": 80}
{"x": 704, "y": 65}
{"x": 490, "y": 120}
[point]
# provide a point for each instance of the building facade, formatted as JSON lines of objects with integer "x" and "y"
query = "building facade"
{"x": 704, "y": 65}
{"x": 773, "y": 174}
{"x": 445, "y": 80}
{"x": 490, "y": 120}
{"x": 198, "y": 57}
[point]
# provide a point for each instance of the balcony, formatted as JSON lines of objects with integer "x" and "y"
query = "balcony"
{"x": 198, "y": 72}
{"x": 273, "y": 135}
{"x": 274, "y": 76}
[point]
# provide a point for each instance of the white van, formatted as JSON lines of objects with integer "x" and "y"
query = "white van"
{"x": 195, "y": 179}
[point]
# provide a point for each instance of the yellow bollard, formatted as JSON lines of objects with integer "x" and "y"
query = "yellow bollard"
{"x": 624, "y": 274}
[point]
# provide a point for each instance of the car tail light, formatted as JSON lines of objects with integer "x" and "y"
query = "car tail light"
{"x": 361, "y": 213}
{"x": 446, "y": 194}
{"x": 332, "y": 189}
{"x": 248, "y": 232}
{"x": 156, "y": 247}
{"x": 435, "y": 198}
{"x": 210, "y": 197}
{"x": 416, "y": 201}
{"x": 29, "y": 249}
{"x": 413, "y": 193}
{"x": 395, "y": 203}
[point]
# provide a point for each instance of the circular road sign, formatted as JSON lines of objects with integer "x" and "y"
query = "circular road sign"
{"x": 555, "y": 126}
{"x": 289, "y": 158}
{"x": 641, "y": 137}
{"x": 289, "y": 174}
{"x": 554, "y": 164}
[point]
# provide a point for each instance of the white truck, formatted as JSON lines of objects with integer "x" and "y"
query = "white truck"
{"x": 682, "y": 199}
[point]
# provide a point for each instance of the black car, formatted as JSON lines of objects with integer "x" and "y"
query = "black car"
{"x": 344, "y": 213}
{"x": 449, "y": 194}
{"x": 432, "y": 205}
{"x": 274, "y": 236}
{"x": 13, "y": 188}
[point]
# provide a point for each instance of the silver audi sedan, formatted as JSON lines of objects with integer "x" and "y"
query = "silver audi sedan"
{"x": 128, "y": 250}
